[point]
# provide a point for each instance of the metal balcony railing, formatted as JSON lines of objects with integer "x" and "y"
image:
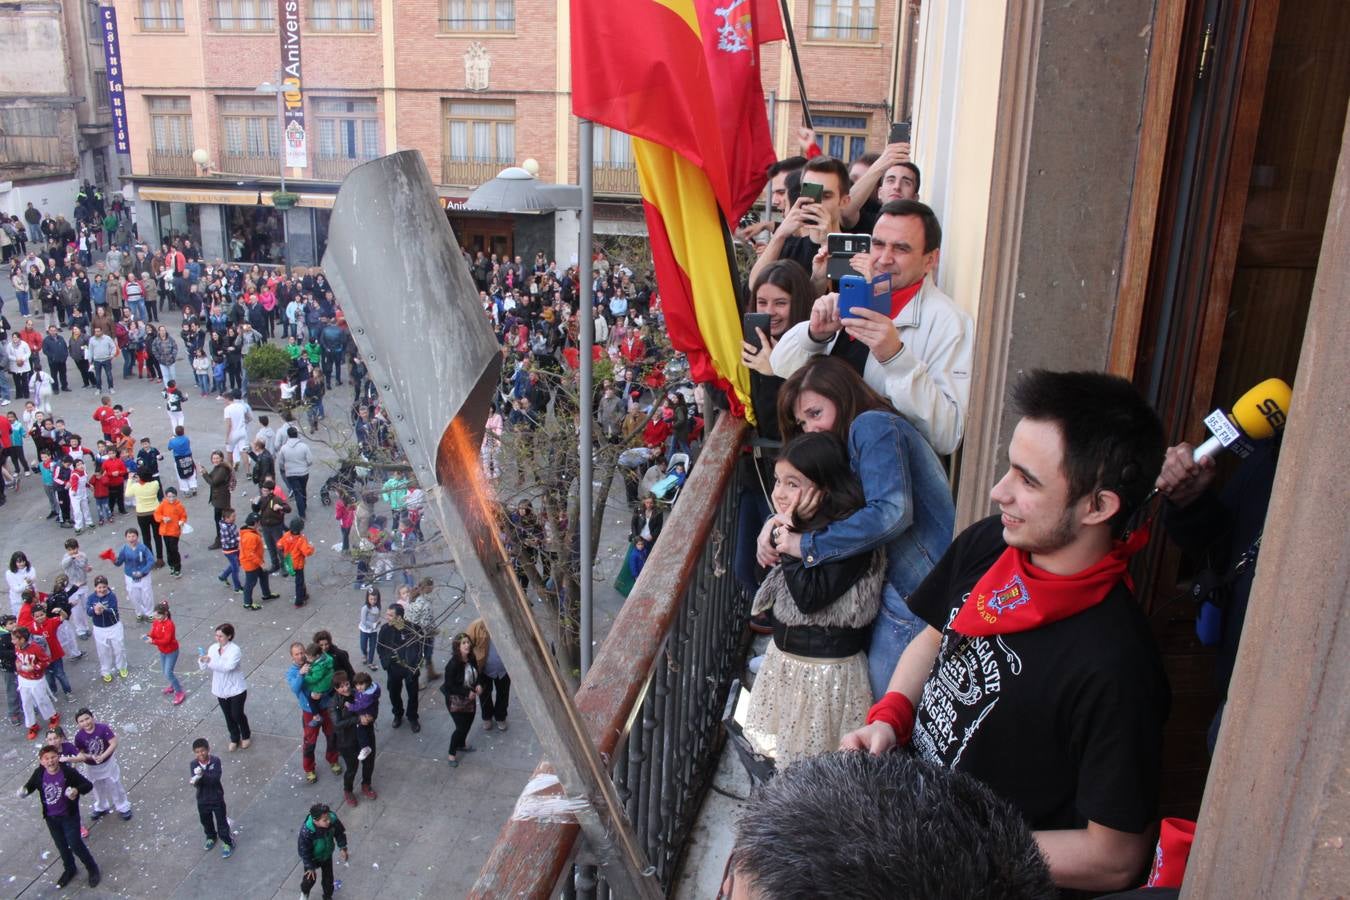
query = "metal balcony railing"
{"x": 250, "y": 165}
{"x": 166, "y": 162}
{"x": 654, "y": 697}
{"x": 621, "y": 180}
{"x": 471, "y": 173}
{"x": 335, "y": 169}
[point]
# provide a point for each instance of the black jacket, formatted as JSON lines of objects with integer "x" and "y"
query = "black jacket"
{"x": 342, "y": 661}
{"x": 344, "y": 723}
{"x": 7, "y": 658}
{"x": 452, "y": 685}
{"x": 657, "y": 520}
{"x": 399, "y": 648}
{"x": 73, "y": 779}
{"x": 309, "y": 836}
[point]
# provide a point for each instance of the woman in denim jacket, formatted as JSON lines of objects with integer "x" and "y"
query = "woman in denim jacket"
{"x": 908, "y": 510}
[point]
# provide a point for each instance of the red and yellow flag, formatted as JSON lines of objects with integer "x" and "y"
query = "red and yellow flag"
{"x": 682, "y": 77}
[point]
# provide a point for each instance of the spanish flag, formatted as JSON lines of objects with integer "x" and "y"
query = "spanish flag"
{"x": 682, "y": 77}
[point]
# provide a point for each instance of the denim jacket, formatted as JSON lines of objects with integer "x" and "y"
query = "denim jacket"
{"x": 909, "y": 508}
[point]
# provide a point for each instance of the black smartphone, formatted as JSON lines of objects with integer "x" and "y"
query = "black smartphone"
{"x": 842, "y": 247}
{"x": 753, "y": 321}
{"x": 899, "y": 133}
{"x": 813, "y": 190}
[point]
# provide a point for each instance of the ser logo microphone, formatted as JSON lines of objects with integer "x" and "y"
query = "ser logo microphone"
{"x": 1258, "y": 414}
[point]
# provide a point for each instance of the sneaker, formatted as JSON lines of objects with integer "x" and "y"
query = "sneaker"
{"x": 368, "y": 792}
{"x": 365, "y": 752}
{"x": 32, "y": 732}
{"x": 501, "y": 724}
{"x": 126, "y": 816}
{"x": 107, "y": 679}
{"x": 54, "y": 720}
{"x": 176, "y": 573}
{"x": 311, "y": 777}
{"x": 179, "y": 697}
{"x": 167, "y": 690}
{"x": 210, "y": 844}
{"x": 349, "y": 797}
{"x": 271, "y": 596}
{"x": 227, "y": 851}
{"x": 97, "y": 814}
{"x": 122, "y": 672}
{"x": 337, "y": 768}
{"x": 487, "y": 724}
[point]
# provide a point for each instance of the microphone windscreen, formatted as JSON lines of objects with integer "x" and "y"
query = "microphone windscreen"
{"x": 1263, "y": 410}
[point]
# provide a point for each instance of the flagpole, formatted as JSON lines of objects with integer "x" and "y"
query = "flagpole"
{"x": 586, "y": 314}
{"x": 796, "y": 63}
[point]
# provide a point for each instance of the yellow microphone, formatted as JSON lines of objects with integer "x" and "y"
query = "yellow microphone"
{"x": 1258, "y": 414}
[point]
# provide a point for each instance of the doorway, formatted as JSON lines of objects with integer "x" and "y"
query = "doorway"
{"x": 1254, "y": 136}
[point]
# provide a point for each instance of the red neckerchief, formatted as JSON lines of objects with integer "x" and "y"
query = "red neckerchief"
{"x": 900, "y": 299}
{"x": 1013, "y": 595}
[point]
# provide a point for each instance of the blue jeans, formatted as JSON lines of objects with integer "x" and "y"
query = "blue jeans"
{"x": 23, "y": 302}
{"x": 166, "y": 663}
{"x": 203, "y": 383}
{"x": 891, "y": 633}
{"x": 16, "y": 707}
{"x": 138, "y": 309}
{"x": 128, "y": 361}
{"x": 367, "y": 648}
{"x": 103, "y": 367}
{"x": 231, "y": 571}
{"x": 57, "y": 672}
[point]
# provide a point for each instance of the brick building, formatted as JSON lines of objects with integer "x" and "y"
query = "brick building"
{"x": 475, "y": 85}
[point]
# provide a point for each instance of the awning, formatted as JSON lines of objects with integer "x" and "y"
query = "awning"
{"x": 228, "y": 198}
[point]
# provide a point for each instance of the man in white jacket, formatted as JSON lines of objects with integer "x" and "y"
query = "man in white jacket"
{"x": 919, "y": 356}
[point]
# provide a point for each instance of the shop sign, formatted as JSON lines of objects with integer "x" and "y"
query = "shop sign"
{"x": 117, "y": 99}
{"x": 292, "y": 103}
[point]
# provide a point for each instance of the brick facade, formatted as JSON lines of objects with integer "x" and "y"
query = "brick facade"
{"x": 203, "y": 63}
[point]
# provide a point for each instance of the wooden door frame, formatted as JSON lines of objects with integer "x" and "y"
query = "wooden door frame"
{"x": 1148, "y": 231}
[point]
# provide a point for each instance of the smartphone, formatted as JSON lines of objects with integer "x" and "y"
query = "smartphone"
{"x": 843, "y": 247}
{"x": 899, "y": 133}
{"x": 750, "y": 323}
{"x": 856, "y": 293}
{"x": 812, "y": 190}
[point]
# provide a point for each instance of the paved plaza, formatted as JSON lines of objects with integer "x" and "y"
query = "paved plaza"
{"x": 432, "y": 826}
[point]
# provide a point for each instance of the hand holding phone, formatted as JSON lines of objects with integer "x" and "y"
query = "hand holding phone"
{"x": 856, "y": 292}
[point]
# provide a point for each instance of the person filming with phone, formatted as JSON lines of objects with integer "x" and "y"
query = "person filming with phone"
{"x": 916, "y": 349}
{"x": 817, "y": 211}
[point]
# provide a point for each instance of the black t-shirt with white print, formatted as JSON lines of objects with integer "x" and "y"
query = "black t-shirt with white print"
{"x": 1064, "y": 721}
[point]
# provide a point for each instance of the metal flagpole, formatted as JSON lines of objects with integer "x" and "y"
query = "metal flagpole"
{"x": 586, "y": 314}
{"x": 796, "y": 63}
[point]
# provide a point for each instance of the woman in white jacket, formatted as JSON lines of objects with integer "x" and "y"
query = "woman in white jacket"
{"x": 225, "y": 659}
{"x": 20, "y": 577}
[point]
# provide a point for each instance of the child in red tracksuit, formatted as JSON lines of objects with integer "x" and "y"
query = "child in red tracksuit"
{"x": 101, "y": 485}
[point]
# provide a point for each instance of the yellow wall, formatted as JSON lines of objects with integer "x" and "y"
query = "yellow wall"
{"x": 956, "y": 108}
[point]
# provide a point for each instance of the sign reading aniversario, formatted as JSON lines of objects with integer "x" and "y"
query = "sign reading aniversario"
{"x": 293, "y": 109}
{"x": 117, "y": 98}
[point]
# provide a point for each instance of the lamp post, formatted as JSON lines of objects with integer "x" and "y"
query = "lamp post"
{"x": 268, "y": 87}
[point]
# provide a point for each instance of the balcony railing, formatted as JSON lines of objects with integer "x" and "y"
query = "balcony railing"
{"x": 250, "y": 165}
{"x": 336, "y": 169}
{"x": 616, "y": 180}
{"x": 664, "y": 673}
{"x": 471, "y": 173}
{"x": 164, "y": 162}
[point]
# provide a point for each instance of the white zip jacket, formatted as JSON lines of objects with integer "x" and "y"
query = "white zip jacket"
{"x": 928, "y": 381}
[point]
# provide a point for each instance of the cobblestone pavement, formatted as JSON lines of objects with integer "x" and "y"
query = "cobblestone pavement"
{"x": 430, "y": 829}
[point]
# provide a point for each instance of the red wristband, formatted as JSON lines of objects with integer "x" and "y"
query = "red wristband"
{"x": 896, "y": 711}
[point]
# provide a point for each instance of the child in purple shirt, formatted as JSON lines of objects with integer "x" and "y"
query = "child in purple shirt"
{"x": 365, "y": 702}
{"x": 98, "y": 742}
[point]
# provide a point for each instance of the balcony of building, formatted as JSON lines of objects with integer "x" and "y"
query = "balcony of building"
{"x": 616, "y": 181}
{"x": 249, "y": 164}
{"x": 471, "y": 173}
{"x": 336, "y": 168}
{"x": 170, "y": 162}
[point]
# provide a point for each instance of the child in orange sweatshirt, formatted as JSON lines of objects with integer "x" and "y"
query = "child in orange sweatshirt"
{"x": 171, "y": 516}
{"x": 295, "y": 547}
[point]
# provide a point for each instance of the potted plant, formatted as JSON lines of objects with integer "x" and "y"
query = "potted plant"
{"x": 285, "y": 199}
{"x": 266, "y": 365}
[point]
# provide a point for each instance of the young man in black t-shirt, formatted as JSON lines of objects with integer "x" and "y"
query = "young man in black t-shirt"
{"x": 1037, "y": 673}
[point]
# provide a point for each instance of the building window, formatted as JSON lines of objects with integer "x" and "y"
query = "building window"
{"x": 844, "y": 20}
{"x": 479, "y": 15}
{"x": 245, "y": 15}
{"x": 615, "y": 170}
{"x": 250, "y": 135}
{"x": 348, "y": 133}
{"x": 843, "y": 137}
{"x": 170, "y": 136}
{"x": 342, "y": 15}
{"x": 28, "y": 136}
{"x": 101, "y": 99}
{"x": 479, "y": 139}
{"x": 160, "y": 15}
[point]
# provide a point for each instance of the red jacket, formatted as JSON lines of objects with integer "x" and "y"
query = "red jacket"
{"x": 164, "y": 636}
{"x": 31, "y": 662}
{"x": 116, "y": 470}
